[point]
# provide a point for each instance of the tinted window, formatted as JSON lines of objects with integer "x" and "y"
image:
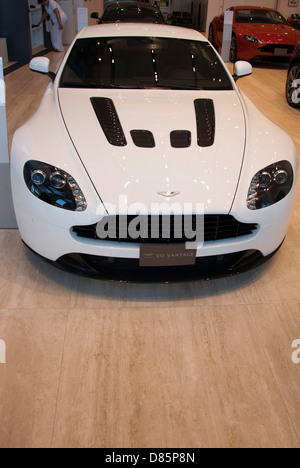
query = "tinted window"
{"x": 131, "y": 13}
{"x": 259, "y": 16}
{"x": 144, "y": 62}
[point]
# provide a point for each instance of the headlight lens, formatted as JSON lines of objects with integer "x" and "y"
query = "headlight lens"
{"x": 270, "y": 185}
{"x": 54, "y": 186}
{"x": 252, "y": 39}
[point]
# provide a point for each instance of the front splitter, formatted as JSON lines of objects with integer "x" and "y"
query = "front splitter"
{"x": 125, "y": 269}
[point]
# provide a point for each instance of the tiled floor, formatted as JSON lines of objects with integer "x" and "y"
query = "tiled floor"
{"x": 102, "y": 364}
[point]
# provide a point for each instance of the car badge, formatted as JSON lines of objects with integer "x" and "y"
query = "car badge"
{"x": 168, "y": 194}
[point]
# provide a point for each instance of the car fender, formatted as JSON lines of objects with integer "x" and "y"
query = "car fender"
{"x": 265, "y": 144}
{"x": 46, "y": 130}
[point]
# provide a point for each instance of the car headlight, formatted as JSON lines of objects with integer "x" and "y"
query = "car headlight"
{"x": 270, "y": 185}
{"x": 54, "y": 186}
{"x": 252, "y": 39}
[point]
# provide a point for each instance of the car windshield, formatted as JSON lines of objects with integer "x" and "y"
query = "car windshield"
{"x": 144, "y": 62}
{"x": 181, "y": 14}
{"x": 259, "y": 16}
{"x": 132, "y": 13}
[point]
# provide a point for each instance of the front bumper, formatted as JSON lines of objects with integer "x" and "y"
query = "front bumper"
{"x": 265, "y": 51}
{"x": 98, "y": 258}
{"x": 126, "y": 269}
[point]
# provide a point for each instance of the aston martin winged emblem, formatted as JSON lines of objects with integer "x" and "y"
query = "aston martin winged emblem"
{"x": 168, "y": 194}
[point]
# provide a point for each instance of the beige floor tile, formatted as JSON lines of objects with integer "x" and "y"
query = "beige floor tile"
{"x": 28, "y": 282}
{"x": 29, "y": 380}
{"x": 95, "y": 294}
{"x": 279, "y": 281}
{"x": 278, "y": 327}
{"x": 168, "y": 377}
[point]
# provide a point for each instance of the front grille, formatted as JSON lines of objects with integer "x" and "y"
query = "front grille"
{"x": 270, "y": 48}
{"x": 153, "y": 229}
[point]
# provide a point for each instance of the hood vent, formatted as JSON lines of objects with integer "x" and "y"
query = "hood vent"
{"x": 143, "y": 138}
{"x": 205, "y": 116}
{"x": 181, "y": 139}
{"x": 109, "y": 121}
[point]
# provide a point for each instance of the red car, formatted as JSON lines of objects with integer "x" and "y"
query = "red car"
{"x": 258, "y": 33}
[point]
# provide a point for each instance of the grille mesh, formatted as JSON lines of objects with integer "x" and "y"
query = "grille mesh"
{"x": 270, "y": 48}
{"x": 216, "y": 228}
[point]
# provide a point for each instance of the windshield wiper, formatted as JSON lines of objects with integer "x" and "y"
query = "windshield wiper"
{"x": 94, "y": 85}
{"x": 70, "y": 84}
{"x": 178, "y": 87}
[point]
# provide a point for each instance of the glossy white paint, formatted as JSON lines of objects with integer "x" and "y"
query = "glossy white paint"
{"x": 65, "y": 132}
{"x": 139, "y": 173}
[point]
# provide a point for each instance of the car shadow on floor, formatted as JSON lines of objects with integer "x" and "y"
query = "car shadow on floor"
{"x": 70, "y": 284}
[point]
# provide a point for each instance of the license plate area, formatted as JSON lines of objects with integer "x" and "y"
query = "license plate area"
{"x": 167, "y": 255}
{"x": 278, "y": 52}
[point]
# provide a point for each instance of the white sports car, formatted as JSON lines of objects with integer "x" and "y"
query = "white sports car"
{"x": 144, "y": 160}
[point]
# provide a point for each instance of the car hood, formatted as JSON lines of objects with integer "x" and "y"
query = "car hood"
{"x": 272, "y": 32}
{"x": 124, "y": 172}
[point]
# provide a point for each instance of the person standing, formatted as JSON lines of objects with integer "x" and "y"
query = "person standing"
{"x": 58, "y": 18}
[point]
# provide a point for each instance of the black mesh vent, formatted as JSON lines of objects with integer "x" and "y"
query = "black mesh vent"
{"x": 216, "y": 228}
{"x": 181, "y": 138}
{"x": 109, "y": 120}
{"x": 143, "y": 138}
{"x": 270, "y": 48}
{"x": 205, "y": 116}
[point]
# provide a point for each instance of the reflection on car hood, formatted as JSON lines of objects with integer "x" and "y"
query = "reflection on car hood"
{"x": 272, "y": 33}
{"x": 141, "y": 169}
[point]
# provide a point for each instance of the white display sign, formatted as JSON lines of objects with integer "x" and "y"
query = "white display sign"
{"x": 82, "y": 18}
{"x": 228, "y": 21}
{"x": 227, "y": 35}
{"x": 7, "y": 215}
{"x": 4, "y": 156}
{"x": 2, "y": 85}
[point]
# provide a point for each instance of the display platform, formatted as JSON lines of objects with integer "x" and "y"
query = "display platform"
{"x": 7, "y": 214}
{"x": 3, "y": 50}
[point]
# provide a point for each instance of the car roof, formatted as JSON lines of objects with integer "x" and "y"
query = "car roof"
{"x": 245, "y": 7}
{"x": 141, "y": 4}
{"x": 140, "y": 29}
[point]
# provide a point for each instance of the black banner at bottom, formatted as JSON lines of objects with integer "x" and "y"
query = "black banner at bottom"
{"x": 140, "y": 457}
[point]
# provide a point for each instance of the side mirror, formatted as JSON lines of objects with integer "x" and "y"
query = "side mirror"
{"x": 96, "y": 16}
{"x": 42, "y": 65}
{"x": 241, "y": 69}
